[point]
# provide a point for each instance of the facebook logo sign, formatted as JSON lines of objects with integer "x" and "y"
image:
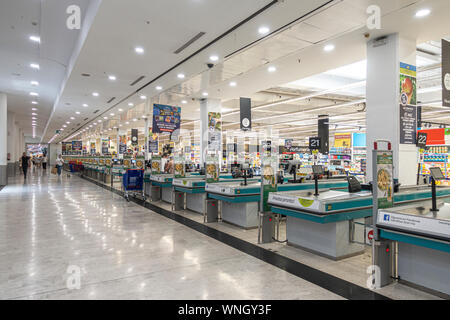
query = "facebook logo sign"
{"x": 386, "y": 217}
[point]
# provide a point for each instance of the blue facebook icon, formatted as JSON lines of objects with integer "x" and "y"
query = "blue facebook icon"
{"x": 386, "y": 217}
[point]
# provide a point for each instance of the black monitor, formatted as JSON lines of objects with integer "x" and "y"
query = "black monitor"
{"x": 353, "y": 184}
{"x": 436, "y": 173}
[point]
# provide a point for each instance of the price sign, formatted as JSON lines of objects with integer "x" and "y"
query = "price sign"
{"x": 314, "y": 143}
{"x": 422, "y": 140}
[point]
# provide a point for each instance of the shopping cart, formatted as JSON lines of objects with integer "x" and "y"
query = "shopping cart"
{"x": 133, "y": 182}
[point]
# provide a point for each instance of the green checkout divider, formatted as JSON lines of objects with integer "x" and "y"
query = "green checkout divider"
{"x": 418, "y": 241}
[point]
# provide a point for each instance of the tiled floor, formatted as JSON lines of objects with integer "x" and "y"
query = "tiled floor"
{"x": 119, "y": 250}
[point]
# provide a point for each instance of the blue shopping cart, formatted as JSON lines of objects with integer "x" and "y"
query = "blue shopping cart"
{"x": 133, "y": 182}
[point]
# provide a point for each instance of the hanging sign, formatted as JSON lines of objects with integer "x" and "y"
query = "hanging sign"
{"x": 153, "y": 143}
{"x": 445, "y": 73}
{"x": 246, "y": 114}
{"x": 77, "y": 145}
{"x": 214, "y": 131}
{"x": 343, "y": 140}
{"x": 166, "y": 118}
{"x": 408, "y": 103}
{"x": 314, "y": 143}
{"x": 422, "y": 140}
{"x": 134, "y": 137}
{"x": 408, "y": 124}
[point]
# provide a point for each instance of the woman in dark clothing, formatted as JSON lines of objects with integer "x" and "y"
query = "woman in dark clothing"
{"x": 25, "y": 164}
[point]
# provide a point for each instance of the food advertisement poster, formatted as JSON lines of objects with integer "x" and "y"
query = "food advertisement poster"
{"x": 156, "y": 164}
{"x": 445, "y": 73}
{"x": 140, "y": 162}
{"x": 269, "y": 179}
{"x": 343, "y": 140}
{"x": 105, "y": 145}
{"x": 166, "y": 118}
{"x": 179, "y": 170}
{"x": 77, "y": 145}
{"x": 212, "y": 169}
{"x": 408, "y": 104}
{"x": 214, "y": 131}
{"x": 127, "y": 162}
{"x": 385, "y": 181}
{"x": 152, "y": 143}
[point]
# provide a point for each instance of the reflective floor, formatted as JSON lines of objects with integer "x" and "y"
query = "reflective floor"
{"x": 65, "y": 238}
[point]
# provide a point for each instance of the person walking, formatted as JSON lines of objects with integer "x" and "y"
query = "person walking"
{"x": 25, "y": 163}
{"x": 59, "y": 164}
{"x": 44, "y": 162}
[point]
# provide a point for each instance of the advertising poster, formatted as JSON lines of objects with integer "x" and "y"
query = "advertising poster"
{"x": 153, "y": 143}
{"x": 212, "y": 169}
{"x": 156, "y": 165}
{"x": 214, "y": 131}
{"x": 166, "y": 118}
{"x": 288, "y": 143}
{"x": 127, "y": 162}
{"x": 408, "y": 104}
{"x": 445, "y": 73}
{"x": 77, "y": 145}
{"x": 343, "y": 140}
{"x": 140, "y": 162}
{"x": 179, "y": 170}
{"x": 385, "y": 181}
{"x": 269, "y": 179}
{"x": 408, "y": 124}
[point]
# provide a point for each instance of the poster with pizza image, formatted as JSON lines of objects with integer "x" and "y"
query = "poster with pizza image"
{"x": 384, "y": 180}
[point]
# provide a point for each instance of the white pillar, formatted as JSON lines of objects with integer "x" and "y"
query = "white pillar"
{"x": 206, "y": 105}
{"x": 11, "y": 144}
{"x": 3, "y": 140}
{"x": 383, "y": 103}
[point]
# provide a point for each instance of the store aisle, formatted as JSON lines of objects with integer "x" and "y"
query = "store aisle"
{"x": 119, "y": 250}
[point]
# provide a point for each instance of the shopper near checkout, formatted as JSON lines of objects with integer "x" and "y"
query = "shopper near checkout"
{"x": 25, "y": 163}
{"x": 59, "y": 164}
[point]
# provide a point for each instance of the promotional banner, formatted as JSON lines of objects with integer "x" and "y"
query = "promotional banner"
{"x": 445, "y": 73}
{"x": 408, "y": 103}
{"x": 134, "y": 137}
{"x": 288, "y": 143}
{"x": 105, "y": 146}
{"x": 166, "y": 118}
{"x": 77, "y": 145}
{"x": 214, "y": 131}
{"x": 212, "y": 168}
{"x": 342, "y": 140}
{"x": 92, "y": 148}
{"x": 385, "y": 181}
{"x": 269, "y": 179}
{"x": 153, "y": 143}
{"x": 156, "y": 164}
{"x": 246, "y": 114}
{"x": 179, "y": 166}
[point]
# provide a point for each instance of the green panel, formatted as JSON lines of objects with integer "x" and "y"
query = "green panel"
{"x": 431, "y": 244}
{"x": 330, "y": 218}
{"x": 234, "y": 199}
{"x": 190, "y": 190}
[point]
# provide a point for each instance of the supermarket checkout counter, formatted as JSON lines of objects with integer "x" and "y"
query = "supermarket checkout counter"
{"x": 194, "y": 190}
{"x": 325, "y": 223}
{"x": 423, "y": 237}
{"x": 161, "y": 187}
{"x": 240, "y": 204}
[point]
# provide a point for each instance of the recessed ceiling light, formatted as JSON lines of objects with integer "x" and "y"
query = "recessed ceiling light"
{"x": 34, "y": 65}
{"x": 233, "y": 84}
{"x": 34, "y": 109}
{"x": 77, "y": 112}
{"x": 120, "y": 110}
{"x": 205, "y": 94}
{"x": 423, "y": 13}
{"x": 134, "y": 119}
{"x": 181, "y": 76}
{"x": 130, "y": 104}
{"x": 99, "y": 120}
{"x": 34, "y": 102}
{"x": 64, "y": 126}
{"x": 139, "y": 50}
{"x": 111, "y": 114}
{"x": 85, "y": 105}
{"x": 68, "y": 122}
{"x": 112, "y": 78}
{"x": 183, "y": 101}
{"x": 214, "y": 58}
{"x": 72, "y": 118}
{"x": 143, "y": 97}
{"x": 34, "y": 114}
{"x": 263, "y": 30}
{"x": 34, "y": 83}
{"x": 35, "y": 94}
{"x": 271, "y": 69}
{"x": 158, "y": 88}
{"x": 106, "y": 118}
{"x": 127, "y": 122}
{"x": 95, "y": 94}
{"x": 33, "y": 118}
{"x": 35, "y": 39}
{"x": 328, "y": 48}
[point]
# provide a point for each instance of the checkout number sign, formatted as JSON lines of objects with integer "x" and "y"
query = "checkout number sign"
{"x": 422, "y": 140}
{"x": 314, "y": 143}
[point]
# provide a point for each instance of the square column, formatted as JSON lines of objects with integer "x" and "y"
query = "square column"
{"x": 3, "y": 140}
{"x": 383, "y": 102}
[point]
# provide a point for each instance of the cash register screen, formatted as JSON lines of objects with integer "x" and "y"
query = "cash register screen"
{"x": 436, "y": 173}
{"x": 317, "y": 169}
